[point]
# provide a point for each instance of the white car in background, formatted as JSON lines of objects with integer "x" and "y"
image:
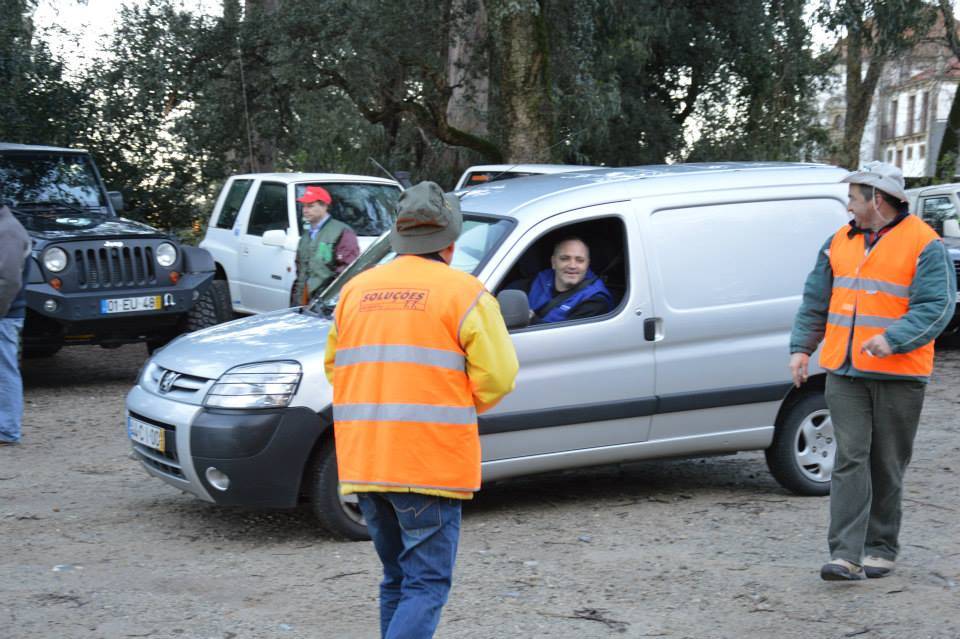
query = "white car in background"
{"x": 485, "y": 173}
{"x": 256, "y": 222}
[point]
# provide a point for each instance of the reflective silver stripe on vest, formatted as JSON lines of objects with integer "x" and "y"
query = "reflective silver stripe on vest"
{"x": 872, "y": 286}
{"x": 875, "y": 321}
{"x": 402, "y": 354}
{"x": 839, "y": 320}
{"x": 425, "y": 413}
{"x": 862, "y": 320}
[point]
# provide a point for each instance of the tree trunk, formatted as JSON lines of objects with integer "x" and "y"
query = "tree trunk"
{"x": 258, "y": 84}
{"x": 945, "y": 167}
{"x": 859, "y": 92}
{"x": 524, "y": 86}
{"x": 468, "y": 76}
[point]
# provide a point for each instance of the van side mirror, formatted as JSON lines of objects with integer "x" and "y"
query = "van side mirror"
{"x": 515, "y": 308}
{"x": 951, "y": 228}
{"x": 116, "y": 200}
{"x": 274, "y": 237}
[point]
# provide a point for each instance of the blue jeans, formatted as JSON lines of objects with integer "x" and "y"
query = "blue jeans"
{"x": 416, "y": 538}
{"x": 11, "y": 385}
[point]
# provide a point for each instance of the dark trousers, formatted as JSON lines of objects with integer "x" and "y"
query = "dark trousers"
{"x": 875, "y": 422}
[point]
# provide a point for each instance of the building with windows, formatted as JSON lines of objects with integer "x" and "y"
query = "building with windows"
{"x": 909, "y": 112}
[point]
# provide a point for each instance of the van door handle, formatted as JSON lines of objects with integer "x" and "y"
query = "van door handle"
{"x": 650, "y": 329}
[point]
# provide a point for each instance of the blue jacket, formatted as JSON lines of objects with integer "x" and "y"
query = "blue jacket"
{"x": 541, "y": 292}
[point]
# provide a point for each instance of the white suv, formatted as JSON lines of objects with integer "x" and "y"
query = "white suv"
{"x": 255, "y": 227}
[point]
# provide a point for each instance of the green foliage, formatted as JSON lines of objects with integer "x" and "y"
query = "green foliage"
{"x": 185, "y": 100}
{"x": 38, "y": 105}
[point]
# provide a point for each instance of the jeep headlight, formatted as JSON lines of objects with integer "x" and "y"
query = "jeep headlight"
{"x": 166, "y": 254}
{"x": 261, "y": 385}
{"x": 55, "y": 260}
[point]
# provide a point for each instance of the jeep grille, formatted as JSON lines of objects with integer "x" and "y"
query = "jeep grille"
{"x": 115, "y": 267}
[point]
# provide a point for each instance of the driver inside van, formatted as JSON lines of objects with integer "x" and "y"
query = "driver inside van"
{"x": 569, "y": 289}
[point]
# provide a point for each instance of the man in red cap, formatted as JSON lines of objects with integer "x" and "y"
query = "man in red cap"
{"x": 327, "y": 246}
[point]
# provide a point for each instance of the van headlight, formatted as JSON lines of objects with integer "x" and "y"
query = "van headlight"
{"x": 148, "y": 373}
{"x": 260, "y": 385}
{"x": 166, "y": 254}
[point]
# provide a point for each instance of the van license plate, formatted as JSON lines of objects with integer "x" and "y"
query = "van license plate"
{"x": 146, "y": 434}
{"x": 130, "y": 304}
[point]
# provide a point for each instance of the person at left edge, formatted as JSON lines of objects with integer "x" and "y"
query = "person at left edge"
{"x": 327, "y": 246}
{"x": 14, "y": 249}
{"x": 416, "y": 350}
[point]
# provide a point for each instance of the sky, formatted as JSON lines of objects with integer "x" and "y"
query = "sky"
{"x": 87, "y": 25}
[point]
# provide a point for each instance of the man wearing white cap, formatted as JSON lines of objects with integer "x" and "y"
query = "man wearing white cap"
{"x": 881, "y": 291}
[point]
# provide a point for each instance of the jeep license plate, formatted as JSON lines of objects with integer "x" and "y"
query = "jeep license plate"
{"x": 145, "y": 434}
{"x": 130, "y": 304}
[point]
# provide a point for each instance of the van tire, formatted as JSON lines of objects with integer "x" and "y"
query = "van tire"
{"x": 212, "y": 308}
{"x": 339, "y": 515}
{"x": 804, "y": 447}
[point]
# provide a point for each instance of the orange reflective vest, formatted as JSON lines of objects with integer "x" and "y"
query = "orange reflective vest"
{"x": 871, "y": 290}
{"x": 403, "y": 410}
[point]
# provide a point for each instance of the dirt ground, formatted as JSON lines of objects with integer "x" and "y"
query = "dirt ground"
{"x": 93, "y": 547}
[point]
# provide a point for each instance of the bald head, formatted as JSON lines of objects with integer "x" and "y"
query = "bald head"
{"x": 570, "y": 261}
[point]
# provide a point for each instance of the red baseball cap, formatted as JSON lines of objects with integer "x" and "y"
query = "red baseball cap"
{"x": 315, "y": 194}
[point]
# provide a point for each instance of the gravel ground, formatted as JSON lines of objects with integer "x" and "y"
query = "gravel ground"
{"x": 710, "y": 548}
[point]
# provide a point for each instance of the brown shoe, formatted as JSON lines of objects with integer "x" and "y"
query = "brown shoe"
{"x": 841, "y": 570}
{"x": 877, "y": 567}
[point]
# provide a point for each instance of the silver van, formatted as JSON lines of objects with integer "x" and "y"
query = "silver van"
{"x": 705, "y": 263}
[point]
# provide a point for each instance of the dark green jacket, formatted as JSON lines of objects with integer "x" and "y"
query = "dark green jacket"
{"x": 933, "y": 295}
{"x": 317, "y": 258}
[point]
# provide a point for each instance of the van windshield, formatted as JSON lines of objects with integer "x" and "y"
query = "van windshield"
{"x": 480, "y": 237}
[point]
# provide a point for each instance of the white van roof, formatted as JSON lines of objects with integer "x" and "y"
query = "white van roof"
{"x": 571, "y": 190}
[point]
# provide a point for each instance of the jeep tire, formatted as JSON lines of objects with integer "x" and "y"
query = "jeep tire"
{"x": 212, "y": 308}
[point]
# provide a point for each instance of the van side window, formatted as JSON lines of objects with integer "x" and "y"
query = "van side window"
{"x": 269, "y": 209}
{"x": 232, "y": 203}
{"x": 936, "y": 210}
{"x": 723, "y": 254}
{"x": 590, "y": 280}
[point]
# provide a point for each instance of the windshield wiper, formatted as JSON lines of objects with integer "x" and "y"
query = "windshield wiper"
{"x": 54, "y": 203}
{"x": 320, "y": 308}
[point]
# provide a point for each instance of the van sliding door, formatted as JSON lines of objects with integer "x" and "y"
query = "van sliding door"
{"x": 727, "y": 277}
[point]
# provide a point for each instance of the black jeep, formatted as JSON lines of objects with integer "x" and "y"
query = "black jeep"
{"x": 96, "y": 278}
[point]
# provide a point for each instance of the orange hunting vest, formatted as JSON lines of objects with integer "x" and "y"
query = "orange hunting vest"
{"x": 870, "y": 292}
{"x": 403, "y": 408}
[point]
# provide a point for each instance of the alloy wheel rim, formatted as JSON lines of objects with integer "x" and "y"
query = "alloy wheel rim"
{"x": 815, "y": 446}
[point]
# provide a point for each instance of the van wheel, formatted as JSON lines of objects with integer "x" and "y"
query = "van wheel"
{"x": 212, "y": 308}
{"x": 339, "y": 514}
{"x": 804, "y": 447}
